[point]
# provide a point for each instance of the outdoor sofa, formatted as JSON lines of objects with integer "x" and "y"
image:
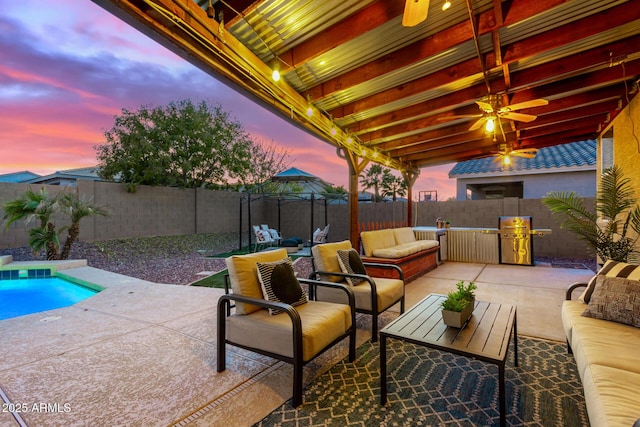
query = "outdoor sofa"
{"x": 603, "y": 333}
{"x": 398, "y": 246}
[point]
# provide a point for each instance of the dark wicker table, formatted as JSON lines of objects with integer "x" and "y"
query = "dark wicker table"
{"x": 485, "y": 337}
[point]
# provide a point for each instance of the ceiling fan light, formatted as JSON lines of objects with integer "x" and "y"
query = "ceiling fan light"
{"x": 490, "y": 125}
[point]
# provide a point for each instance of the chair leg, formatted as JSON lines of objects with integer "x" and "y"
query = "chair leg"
{"x": 402, "y": 305}
{"x": 374, "y": 327}
{"x": 296, "y": 400}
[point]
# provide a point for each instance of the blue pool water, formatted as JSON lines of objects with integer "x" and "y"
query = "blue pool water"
{"x": 25, "y": 296}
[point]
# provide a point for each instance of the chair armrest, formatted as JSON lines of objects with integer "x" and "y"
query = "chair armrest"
{"x": 387, "y": 266}
{"x": 226, "y": 300}
{"x": 315, "y": 283}
{"x": 573, "y": 287}
{"x": 369, "y": 279}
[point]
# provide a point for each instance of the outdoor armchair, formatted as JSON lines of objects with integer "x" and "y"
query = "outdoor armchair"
{"x": 297, "y": 334}
{"x": 373, "y": 295}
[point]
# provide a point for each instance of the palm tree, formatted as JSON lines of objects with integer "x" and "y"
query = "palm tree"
{"x": 373, "y": 178}
{"x": 42, "y": 206}
{"x": 77, "y": 208}
{"x": 604, "y": 231}
{"x": 36, "y": 206}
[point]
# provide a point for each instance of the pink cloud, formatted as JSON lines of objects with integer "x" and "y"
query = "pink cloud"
{"x": 62, "y": 84}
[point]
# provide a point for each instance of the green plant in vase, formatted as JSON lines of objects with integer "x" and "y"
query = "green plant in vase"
{"x": 457, "y": 307}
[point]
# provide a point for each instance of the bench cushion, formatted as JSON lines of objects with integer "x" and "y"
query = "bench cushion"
{"x": 404, "y": 235}
{"x": 378, "y": 239}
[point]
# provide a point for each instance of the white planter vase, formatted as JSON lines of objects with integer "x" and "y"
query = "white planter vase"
{"x": 457, "y": 319}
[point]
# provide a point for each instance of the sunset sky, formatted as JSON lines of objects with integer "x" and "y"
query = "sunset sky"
{"x": 67, "y": 67}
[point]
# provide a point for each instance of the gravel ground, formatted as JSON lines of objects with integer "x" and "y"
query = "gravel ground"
{"x": 165, "y": 259}
{"x": 179, "y": 259}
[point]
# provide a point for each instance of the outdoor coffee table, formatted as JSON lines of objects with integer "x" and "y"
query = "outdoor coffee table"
{"x": 485, "y": 337}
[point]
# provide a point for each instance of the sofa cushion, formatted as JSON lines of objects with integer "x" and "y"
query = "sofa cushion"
{"x": 350, "y": 263}
{"x": 611, "y": 269}
{"x": 243, "y": 274}
{"x": 611, "y": 395}
{"x": 594, "y": 342}
{"x": 403, "y": 235}
{"x": 322, "y": 323}
{"x": 378, "y": 239}
{"x": 326, "y": 259}
{"x": 279, "y": 283}
{"x": 615, "y": 299}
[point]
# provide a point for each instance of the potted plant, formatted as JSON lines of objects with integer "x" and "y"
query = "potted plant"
{"x": 458, "y": 306}
{"x": 606, "y": 230}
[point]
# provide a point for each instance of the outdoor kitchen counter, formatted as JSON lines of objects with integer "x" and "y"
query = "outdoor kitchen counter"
{"x": 465, "y": 244}
{"x": 469, "y": 244}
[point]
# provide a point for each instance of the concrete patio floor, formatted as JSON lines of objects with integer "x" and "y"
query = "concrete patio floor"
{"x": 144, "y": 354}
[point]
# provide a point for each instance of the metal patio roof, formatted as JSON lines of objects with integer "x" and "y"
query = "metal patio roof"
{"x": 387, "y": 93}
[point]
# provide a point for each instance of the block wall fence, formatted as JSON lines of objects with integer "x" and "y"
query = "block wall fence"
{"x": 163, "y": 211}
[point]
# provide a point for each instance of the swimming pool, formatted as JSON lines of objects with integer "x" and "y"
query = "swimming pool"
{"x": 32, "y": 295}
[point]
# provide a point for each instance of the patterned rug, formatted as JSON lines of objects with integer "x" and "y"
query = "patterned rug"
{"x": 432, "y": 388}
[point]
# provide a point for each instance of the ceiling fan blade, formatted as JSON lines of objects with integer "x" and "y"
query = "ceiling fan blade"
{"x": 485, "y": 106}
{"x": 461, "y": 116}
{"x": 477, "y": 124}
{"x": 527, "y": 153}
{"x": 521, "y": 117}
{"x": 526, "y": 104}
{"x": 415, "y": 11}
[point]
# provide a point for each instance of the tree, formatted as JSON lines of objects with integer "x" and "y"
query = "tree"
{"x": 373, "y": 178}
{"x": 42, "y": 206}
{"x": 267, "y": 160}
{"x": 607, "y": 233}
{"x": 393, "y": 186}
{"x": 182, "y": 144}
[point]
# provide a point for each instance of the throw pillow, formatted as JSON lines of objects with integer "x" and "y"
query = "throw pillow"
{"x": 279, "y": 283}
{"x": 611, "y": 269}
{"x": 350, "y": 263}
{"x": 616, "y": 299}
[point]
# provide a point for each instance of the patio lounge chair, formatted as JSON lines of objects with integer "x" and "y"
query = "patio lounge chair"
{"x": 298, "y": 333}
{"x": 273, "y": 233}
{"x": 321, "y": 236}
{"x": 263, "y": 238}
{"x": 373, "y": 295}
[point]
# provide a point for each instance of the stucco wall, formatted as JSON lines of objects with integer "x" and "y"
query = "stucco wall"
{"x": 626, "y": 143}
{"x": 536, "y": 186}
{"x": 154, "y": 211}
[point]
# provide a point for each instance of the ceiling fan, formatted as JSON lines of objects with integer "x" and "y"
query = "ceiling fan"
{"x": 415, "y": 11}
{"x": 505, "y": 152}
{"x": 493, "y": 111}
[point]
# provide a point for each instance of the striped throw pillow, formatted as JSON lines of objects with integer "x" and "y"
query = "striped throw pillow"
{"x": 279, "y": 283}
{"x": 611, "y": 269}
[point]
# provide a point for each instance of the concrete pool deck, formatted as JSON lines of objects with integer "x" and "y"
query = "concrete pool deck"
{"x": 144, "y": 354}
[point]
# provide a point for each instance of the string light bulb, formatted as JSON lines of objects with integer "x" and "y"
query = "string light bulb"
{"x": 275, "y": 75}
{"x": 309, "y": 107}
{"x": 491, "y": 125}
{"x": 446, "y": 5}
{"x": 506, "y": 160}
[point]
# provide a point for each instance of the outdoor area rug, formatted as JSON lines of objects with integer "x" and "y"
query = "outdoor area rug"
{"x": 432, "y": 388}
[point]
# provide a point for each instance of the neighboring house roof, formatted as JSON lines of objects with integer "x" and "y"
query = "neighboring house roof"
{"x": 22, "y": 176}
{"x": 67, "y": 177}
{"x": 548, "y": 159}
